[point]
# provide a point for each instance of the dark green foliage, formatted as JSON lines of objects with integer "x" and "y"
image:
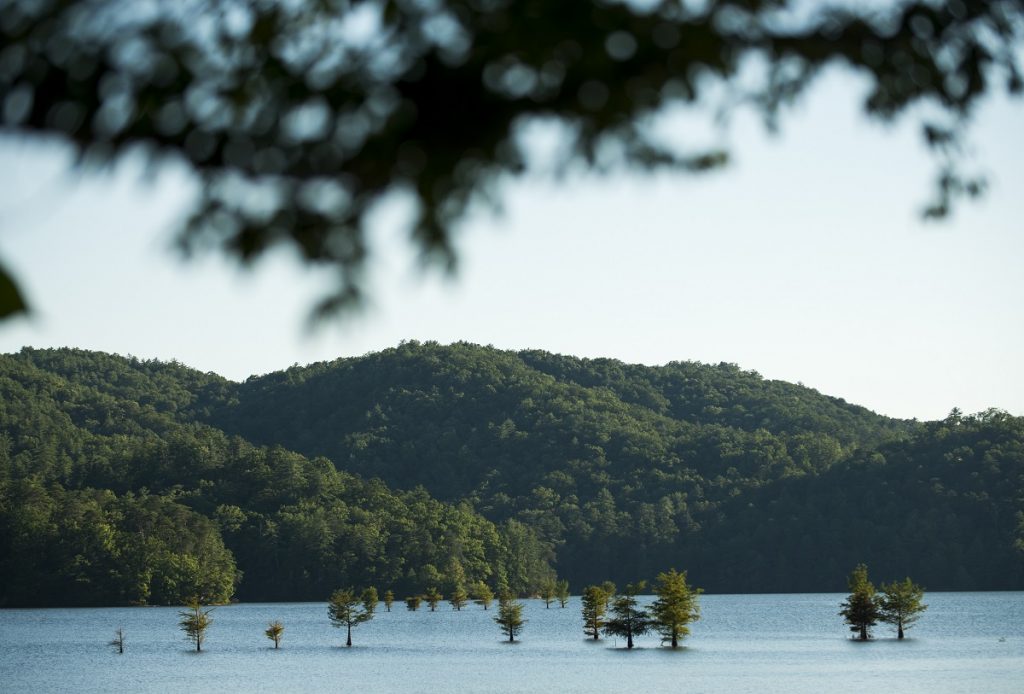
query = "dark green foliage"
{"x": 616, "y": 470}
{"x": 599, "y": 70}
{"x": 612, "y": 469}
{"x": 111, "y": 492}
{"x": 627, "y": 619}
{"x": 412, "y": 603}
{"x": 90, "y": 547}
{"x": 591, "y": 467}
{"x": 861, "y": 607}
{"x": 11, "y": 300}
{"x": 510, "y": 616}
{"x": 900, "y": 604}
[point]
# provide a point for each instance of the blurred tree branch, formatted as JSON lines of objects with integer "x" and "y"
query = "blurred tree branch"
{"x": 299, "y": 116}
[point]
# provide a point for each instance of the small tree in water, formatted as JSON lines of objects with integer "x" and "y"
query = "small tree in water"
{"x": 510, "y": 616}
{"x": 562, "y": 592}
{"x": 412, "y": 603}
{"x": 675, "y": 607}
{"x": 118, "y": 640}
{"x": 274, "y": 632}
{"x": 348, "y": 610}
{"x": 900, "y": 604}
{"x": 628, "y": 619}
{"x": 194, "y": 622}
{"x": 458, "y": 598}
{"x": 433, "y": 597}
{"x": 482, "y": 594}
{"x": 609, "y": 592}
{"x": 547, "y": 592}
{"x": 860, "y": 609}
{"x": 389, "y": 599}
{"x": 594, "y": 600}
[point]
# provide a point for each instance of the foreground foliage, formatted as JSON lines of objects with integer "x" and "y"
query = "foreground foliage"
{"x": 284, "y": 104}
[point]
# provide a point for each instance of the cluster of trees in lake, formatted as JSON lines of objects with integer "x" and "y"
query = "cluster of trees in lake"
{"x": 899, "y": 604}
{"x": 427, "y": 466}
{"x": 604, "y": 610}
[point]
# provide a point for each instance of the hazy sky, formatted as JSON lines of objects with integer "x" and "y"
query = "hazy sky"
{"x": 805, "y": 261}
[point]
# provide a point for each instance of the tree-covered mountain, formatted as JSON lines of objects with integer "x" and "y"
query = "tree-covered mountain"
{"x": 610, "y": 470}
{"x": 112, "y": 493}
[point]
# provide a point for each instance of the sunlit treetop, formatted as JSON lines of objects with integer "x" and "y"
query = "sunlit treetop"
{"x": 300, "y": 116}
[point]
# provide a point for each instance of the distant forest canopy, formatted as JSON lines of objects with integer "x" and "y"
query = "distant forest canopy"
{"x": 126, "y": 481}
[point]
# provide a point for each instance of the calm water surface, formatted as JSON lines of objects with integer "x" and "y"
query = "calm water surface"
{"x": 965, "y": 642}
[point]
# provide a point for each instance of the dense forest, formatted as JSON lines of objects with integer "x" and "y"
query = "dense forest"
{"x": 127, "y": 481}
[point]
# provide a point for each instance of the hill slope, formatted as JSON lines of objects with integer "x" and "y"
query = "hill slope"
{"x": 112, "y": 493}
{"x": 626, "y": 469}
{"x": 611, "y": 470}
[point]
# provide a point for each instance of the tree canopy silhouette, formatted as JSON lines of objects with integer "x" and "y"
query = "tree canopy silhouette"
{"x": 300, "y": 117}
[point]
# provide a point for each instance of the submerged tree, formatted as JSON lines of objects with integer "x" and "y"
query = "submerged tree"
{"x": 609, "y": 592}
{"x": 627, "y": 618}
{"x": 510, "y": 616}
{"x": 594, "y": 601}
{"x": 194, "y": 622}
{"x": 118, "y": 640}
{"x": 412, "y": 603}
{"x": 458, "y": 598}
{"x": 562, "y": 592}
{"x": 676, "y": 607}
{"x": 348, "y": 610}
{"x": 389, "y": 599}
{"x": 433, "y": 596}
{"x": 274, "y": 632}
{"x": 900, "y": 604}
{"x": 370, "y": 599}
{"x": 547, "y": 592}
{"x": 482, "y": 594}
{"x": 860, "y": 609}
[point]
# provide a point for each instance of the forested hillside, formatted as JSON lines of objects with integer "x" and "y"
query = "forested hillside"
{"x": 494, "y": 463}
{"x": 110, "y": 493}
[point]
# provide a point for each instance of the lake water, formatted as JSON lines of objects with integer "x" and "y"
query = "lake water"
{"x": 965, "y": 642}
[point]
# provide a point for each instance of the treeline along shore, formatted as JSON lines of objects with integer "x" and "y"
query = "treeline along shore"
{"x": 125, "y": 481}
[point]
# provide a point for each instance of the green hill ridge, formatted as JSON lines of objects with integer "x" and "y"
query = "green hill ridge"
{"x": 419, "y": 463}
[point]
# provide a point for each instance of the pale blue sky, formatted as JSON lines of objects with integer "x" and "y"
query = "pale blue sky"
{"x": 805, "y": 260}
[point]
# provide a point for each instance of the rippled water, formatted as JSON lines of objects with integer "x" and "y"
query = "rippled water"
{"x": 965, "y": 642}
